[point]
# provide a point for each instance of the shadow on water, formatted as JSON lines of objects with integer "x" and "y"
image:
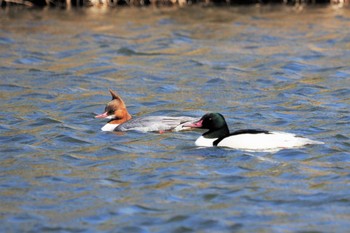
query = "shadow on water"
{"x": 267, "y": 67}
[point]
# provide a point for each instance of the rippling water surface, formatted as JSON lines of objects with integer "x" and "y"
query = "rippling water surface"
{"x": 270, "y": 68}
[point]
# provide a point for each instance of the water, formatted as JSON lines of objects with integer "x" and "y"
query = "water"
{"x": 262, "y": 67}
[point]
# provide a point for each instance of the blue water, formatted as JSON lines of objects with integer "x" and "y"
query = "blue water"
{"x": 274, "y": 68}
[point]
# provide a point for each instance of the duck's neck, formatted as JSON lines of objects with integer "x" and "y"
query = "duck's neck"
{"x": 120, "y": 117}
{"x": 217, "y": 133}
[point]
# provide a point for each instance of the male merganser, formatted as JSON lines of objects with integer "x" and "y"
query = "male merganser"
{"x": 121, "y": 120}
{"x": 246, "y": 139}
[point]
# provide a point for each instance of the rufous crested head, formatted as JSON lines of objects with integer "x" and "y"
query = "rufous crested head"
{"x": 115, "y": 96}
{"x": 115, "y": 110}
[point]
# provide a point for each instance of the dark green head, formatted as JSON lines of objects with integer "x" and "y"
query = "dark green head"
{"x": 216, "y": 124}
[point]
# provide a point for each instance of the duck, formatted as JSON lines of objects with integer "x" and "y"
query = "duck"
{"x": 218, "y": 135}
{"x": 121, "y": 120}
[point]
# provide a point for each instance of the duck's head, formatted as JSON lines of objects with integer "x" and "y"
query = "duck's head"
{"x": 214, "y": 122}
{"x": 115, "y": 109}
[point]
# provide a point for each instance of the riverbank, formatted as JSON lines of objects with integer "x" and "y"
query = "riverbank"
{"x": 142, "y": 3}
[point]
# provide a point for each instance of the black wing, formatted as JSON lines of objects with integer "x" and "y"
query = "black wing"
{"x": 249, "y": 131}
{"x": 241, "y": 131}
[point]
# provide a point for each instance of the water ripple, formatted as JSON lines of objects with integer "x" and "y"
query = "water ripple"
{"x": 6, "y": 41}
{"x": 60, "y": 173}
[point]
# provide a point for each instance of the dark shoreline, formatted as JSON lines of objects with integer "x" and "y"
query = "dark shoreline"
{"x": 143, "y": 3}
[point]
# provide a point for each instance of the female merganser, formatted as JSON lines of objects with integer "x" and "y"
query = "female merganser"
{"x": 246, "y": 139}
{"x": 121, "y": 120}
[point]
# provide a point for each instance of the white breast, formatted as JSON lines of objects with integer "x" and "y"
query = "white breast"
{"x": 109, "y": 127}
{"x": 207, "y": 142}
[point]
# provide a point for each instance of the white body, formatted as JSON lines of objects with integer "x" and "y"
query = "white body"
{"x": 273, "y": 141}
